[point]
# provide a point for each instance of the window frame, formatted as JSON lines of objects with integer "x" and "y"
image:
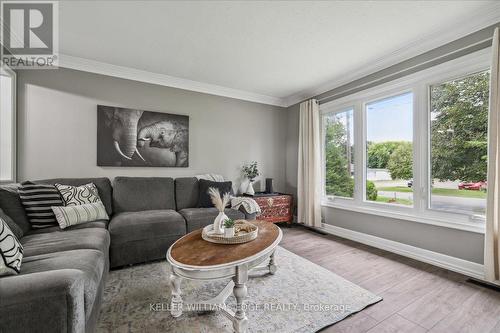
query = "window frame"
{"x": 324, "y": 113}
{"x": 428, "y": 206}
{"x": 419, "y": 84}
{"x": 386, "y": 95}
{"x": 7, "y": 71}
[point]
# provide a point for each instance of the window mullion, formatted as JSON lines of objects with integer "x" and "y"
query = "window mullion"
{"x": 359, "y": 154}
{"x": 425, "y": 188}
{"x": 420, "y": 159}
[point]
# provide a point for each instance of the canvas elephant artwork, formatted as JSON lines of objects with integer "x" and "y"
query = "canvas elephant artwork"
{"x": 137, "y": 138}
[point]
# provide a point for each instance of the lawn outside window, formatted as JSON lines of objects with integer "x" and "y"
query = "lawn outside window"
{"x": 413, "y": 148}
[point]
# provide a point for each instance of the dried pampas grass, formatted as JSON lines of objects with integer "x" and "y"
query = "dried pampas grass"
{"x": 219, "y": 202}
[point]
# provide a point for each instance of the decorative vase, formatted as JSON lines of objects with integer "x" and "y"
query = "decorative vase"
{"x": 229, "y": 232}
{"x": 250, "y": 190}
{"x": 218, "y": 223}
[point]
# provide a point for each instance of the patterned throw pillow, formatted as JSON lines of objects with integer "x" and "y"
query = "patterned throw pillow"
{"x": 37, "y": 200}
{"x": 11, "y": 251}
{"x": 18, "y": 232}
{"x": 73, "y": 215}
{"x": 78, "y": 195}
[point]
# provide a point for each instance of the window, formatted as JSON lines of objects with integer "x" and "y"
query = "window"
{"x": 459, "y": 144}
{"x": 414, "y": 148}
{"x": 7, "y": 125}
{"x": 389, "y": 150}
{"x": 339, "y": 150}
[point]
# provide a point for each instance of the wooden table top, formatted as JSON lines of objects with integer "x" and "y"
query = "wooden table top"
{"x": 193, "y": 250}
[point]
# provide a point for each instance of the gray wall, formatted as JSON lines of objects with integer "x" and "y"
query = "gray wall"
{"x": 456, "y": 243}
{"x": 461, "y": 244}
{"x": 57, "y": 119}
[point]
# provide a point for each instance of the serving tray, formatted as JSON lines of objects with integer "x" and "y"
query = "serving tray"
{"x": 244, "y": 232}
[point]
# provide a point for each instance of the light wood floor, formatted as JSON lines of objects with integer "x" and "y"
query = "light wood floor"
{"x": 417, "y": 297}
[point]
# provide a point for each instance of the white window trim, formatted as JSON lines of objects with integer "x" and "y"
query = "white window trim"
{"x": 418, "y": 83}
{"x": 340, "y": 109}
{"x": 6, "y": 70}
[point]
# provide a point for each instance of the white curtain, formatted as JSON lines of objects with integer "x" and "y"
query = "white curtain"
{"x": 492, "y": 236}
{"x": 309, "y": 168}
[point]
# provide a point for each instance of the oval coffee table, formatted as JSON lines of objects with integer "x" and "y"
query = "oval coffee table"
{"x": 193, "y": 258}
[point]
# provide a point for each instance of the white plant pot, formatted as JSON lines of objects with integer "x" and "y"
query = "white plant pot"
{"x": 250, "y": 190}
{"x": 229, "y": 232}
{"x": 219, "y": 222}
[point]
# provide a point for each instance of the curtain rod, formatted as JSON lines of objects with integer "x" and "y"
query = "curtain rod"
{"x": 329, "y": 98}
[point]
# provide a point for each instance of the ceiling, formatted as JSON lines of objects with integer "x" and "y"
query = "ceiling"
{"x": 281, "y": 51}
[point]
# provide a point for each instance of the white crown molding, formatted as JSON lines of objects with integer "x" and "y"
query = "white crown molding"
{"x": 93, "y": 66}
{"x": 454, "y": 264}
{"x": 478, "y": 20}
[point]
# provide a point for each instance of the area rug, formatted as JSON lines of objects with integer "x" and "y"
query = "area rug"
{"x": 300, "y": 297}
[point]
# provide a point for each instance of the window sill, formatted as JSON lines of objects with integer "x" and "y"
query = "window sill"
{"x": 476, "y": 227}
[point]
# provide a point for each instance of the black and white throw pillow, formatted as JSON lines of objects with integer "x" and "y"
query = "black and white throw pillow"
{"x": 11, "y": 251}
{"x": 78, "y": 195}
{"x": 18, "y": 232}
{"x": 37, "y": 200}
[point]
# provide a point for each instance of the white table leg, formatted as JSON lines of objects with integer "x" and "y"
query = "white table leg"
{"x": 240, "y": 322}
{"x": 272, "y": 264}
{"x": 176, "y": 301}
{"x": 217, "y": 302}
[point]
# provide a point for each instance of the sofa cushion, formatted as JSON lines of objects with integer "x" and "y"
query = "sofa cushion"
{"x": 66, "y": 240}
{"x": 103, "y": 224}
{"x": 135, "y": 252}
{"x": 91, "y": 262}
{"x": 186, "y": 192}
{"x": 197, "y": 218}
{"x": 103, "y": 187}
{"x": 204, "y": 200}
{"x": 133, "y": 194}
{"x": 12, "y": 206}
{"x": 146, "y": 225}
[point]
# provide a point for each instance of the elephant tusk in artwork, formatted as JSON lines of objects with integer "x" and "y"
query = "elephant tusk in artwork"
{"x": 139, "y": 154}
{"x": 119, "y": 151}
{"x": 142, "y": 141}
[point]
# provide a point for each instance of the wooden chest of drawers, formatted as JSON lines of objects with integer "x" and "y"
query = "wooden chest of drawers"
{"x": 275, "y": 208}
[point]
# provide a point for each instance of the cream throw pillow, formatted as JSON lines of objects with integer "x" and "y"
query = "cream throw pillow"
{"x": 72, "y": 215}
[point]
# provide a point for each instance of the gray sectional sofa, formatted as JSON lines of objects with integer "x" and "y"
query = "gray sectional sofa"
{"x": 63, "y": 273}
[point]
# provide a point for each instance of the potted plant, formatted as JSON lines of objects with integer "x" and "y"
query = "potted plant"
{"x": 229, "y": 228}
{"x": 251, "y": 171}
{"x": 220, "y": 203}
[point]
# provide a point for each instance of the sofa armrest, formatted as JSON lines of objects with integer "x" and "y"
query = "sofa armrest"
{"x": 50, "y": 301}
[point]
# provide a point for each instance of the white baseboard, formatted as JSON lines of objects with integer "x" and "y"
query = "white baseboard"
{"x": 461, "y": 266}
